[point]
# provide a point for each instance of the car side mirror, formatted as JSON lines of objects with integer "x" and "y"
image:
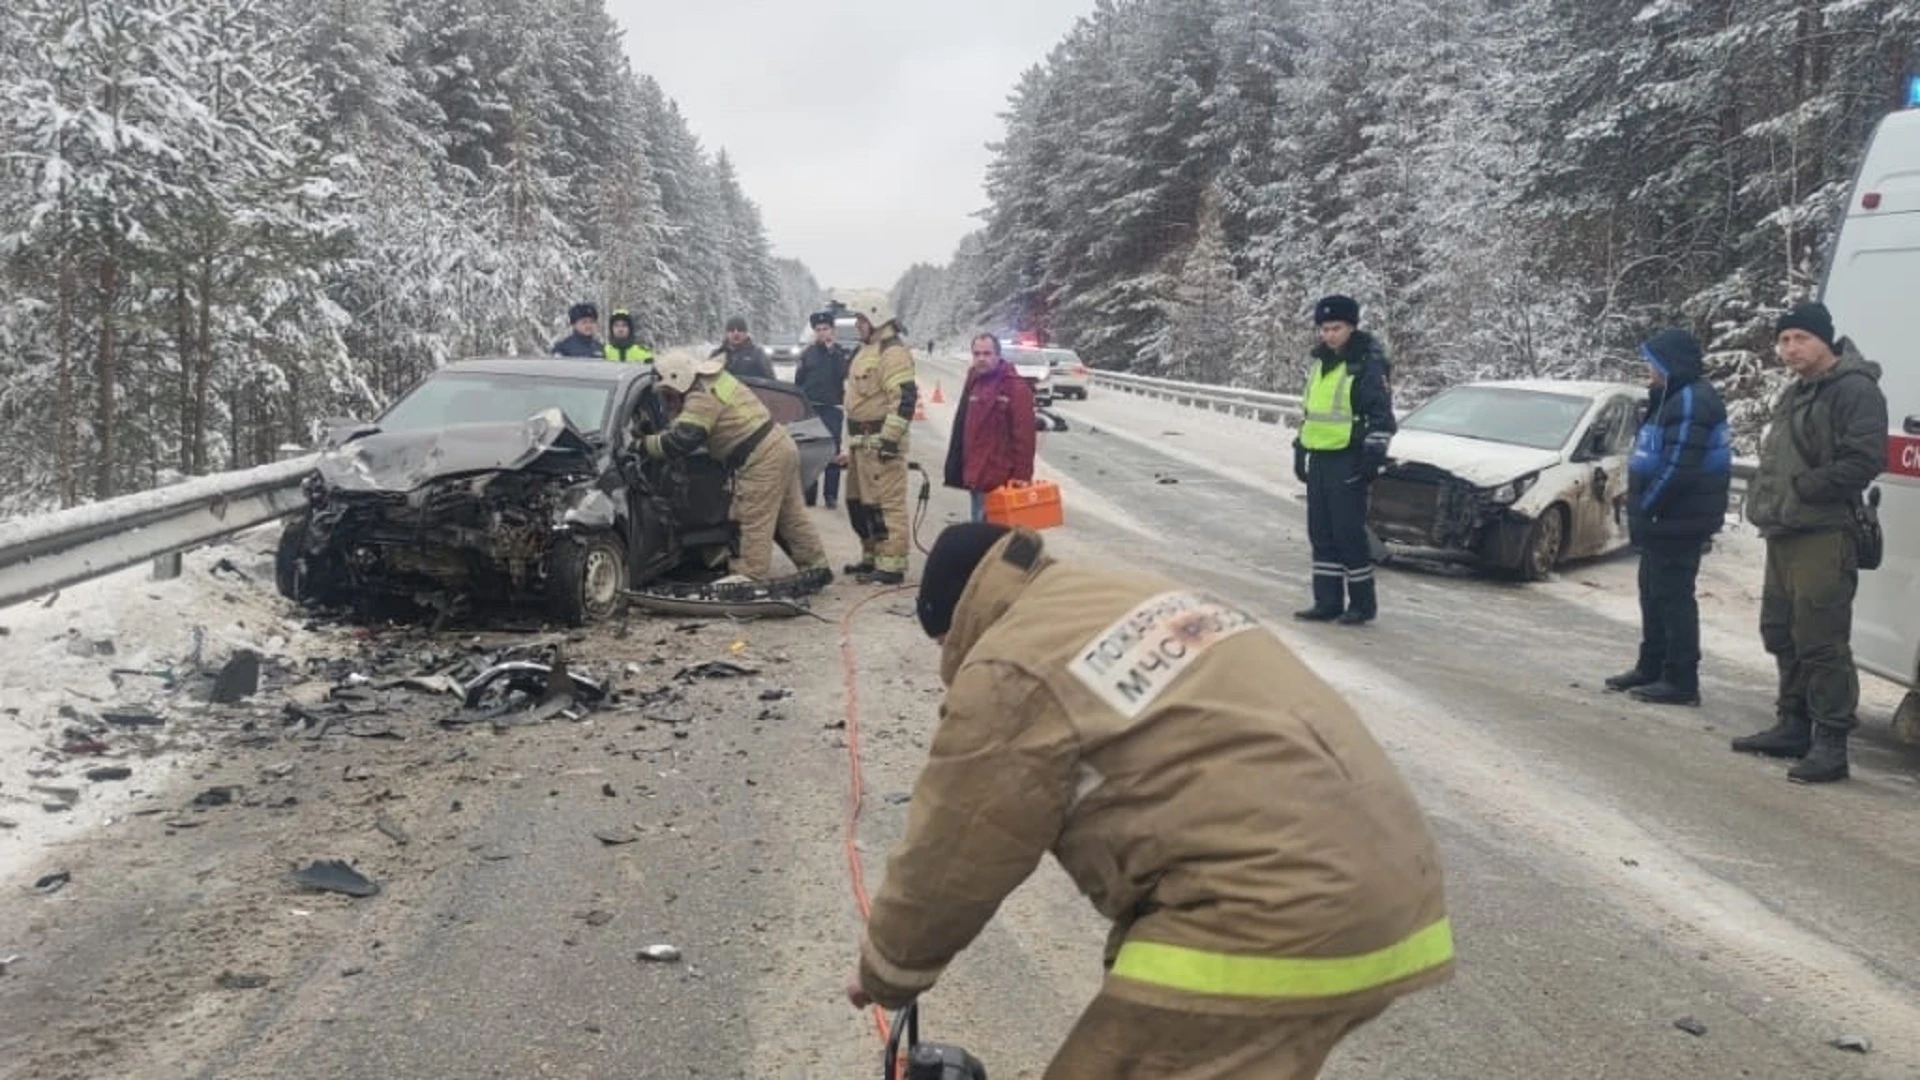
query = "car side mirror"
{"x": 1593, "y": 447}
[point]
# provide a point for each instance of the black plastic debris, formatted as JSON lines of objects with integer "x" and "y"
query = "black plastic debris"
{"x": 333, "y": 875}
{"x": 714, "y": 669}
{"x": 1166, "y": 479}
{"x": 239, "y": 680}
{"x": 131, "y": 719}
{"x": 541, "y": 682}
{"x": 775, "y": 695}
{"x": 225, "y": 566}
{"x": 109, "y": 772}
{"x": 607, "y": 790}
{"x": 1691, "y": 1026}
{"x": 214, "y": 796}
{"x": 52, "y": 883}
{"x": 1857, "y": 1044}
{"x": 597, "y": 917}
{"x": 250, "y": 981}
{"x": 616, "y": 837}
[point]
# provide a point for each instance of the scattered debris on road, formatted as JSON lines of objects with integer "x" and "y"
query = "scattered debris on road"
{"x": 392, "y": 830}
{"x": 616, "y": 837}
{"x": 714, "y": 669}
{"x": 1691, "y": 1026}
{"x": 597, "y": 917}
{"x": 214, "y": 796}
{"x": 238, "y": 680}
{"x": 660, "y": 954}
{"x": 131, "y": 719}
{"x": 52, "y": 883}
{"x": 333, "y": 875}
{"x": 1858, "y": 1044}
{"x": 251, "y": 981}
{"x": 109, "y": 772}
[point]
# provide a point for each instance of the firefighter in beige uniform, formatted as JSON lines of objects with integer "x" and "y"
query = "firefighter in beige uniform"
{"x": 724, "y": 415}
{"x": 1271, "y": 883}
{"x": 880, "y": 401}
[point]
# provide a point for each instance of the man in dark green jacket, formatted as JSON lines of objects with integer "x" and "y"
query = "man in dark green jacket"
{"x": 1826, "y": 442}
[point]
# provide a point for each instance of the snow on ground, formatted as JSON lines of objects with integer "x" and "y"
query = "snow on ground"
{"x": 56, "y": 673}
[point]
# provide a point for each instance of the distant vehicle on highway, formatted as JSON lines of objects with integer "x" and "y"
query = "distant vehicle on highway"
{"x": 1517, "y": 476}
{"x": 1071, "y": 376}
{"x": 1033, "y": 364}
{"x": 497, "y": 482}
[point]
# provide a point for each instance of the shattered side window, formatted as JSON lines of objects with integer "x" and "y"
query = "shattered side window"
{"x": 449, "y": 399}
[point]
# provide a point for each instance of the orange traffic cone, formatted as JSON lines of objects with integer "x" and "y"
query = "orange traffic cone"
{"x": 938, "y": 397}
{"x": 919, "y": 410}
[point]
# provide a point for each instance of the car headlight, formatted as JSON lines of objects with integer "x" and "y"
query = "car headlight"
{"x": 1509, "y": 493}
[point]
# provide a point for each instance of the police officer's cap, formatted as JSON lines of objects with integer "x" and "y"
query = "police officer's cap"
{"x": 819, "y": 319}
{"x": 1336, "y": 308}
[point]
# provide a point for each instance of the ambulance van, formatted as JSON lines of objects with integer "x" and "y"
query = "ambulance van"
{"x": 1873, "y": 289}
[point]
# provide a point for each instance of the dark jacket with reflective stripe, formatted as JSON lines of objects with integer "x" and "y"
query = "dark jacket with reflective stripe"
{"x": 821, "y": 373}
{"x": 1682, "y": 463}
{"x": 579, "y": 345}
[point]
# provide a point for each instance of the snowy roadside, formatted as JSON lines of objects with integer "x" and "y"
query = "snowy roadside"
{"x": 96, "y": 714}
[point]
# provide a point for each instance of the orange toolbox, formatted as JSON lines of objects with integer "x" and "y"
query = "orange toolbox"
{"x": 1036, "y": 505}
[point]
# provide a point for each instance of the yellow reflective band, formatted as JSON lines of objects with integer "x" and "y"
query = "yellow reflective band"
{"x": 726, "y": 387}
{"x": 1226, "y": 975}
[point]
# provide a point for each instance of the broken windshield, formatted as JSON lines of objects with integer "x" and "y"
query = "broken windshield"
{"x": 475, "y": 398}
{"x": 1532, "y": 418}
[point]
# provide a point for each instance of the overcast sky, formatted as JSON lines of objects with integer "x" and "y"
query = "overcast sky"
{"x": 859, "y": 126}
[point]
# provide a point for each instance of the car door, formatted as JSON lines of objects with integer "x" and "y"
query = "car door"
{"x": 791, "y": 408}
{"x": 1600, "y": 493}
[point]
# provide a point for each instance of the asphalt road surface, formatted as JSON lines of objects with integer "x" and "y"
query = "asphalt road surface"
{"x": 1612, "y": 868}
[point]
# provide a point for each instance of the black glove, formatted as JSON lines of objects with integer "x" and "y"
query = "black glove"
{"x": 888, "y": 450}
{"x": 1361, "y": 476}
{"x": 1300, "y": 463}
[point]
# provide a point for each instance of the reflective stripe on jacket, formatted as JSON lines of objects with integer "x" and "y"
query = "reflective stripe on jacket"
{"x": 631, "y": 353}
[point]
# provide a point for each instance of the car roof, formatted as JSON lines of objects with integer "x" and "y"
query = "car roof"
{"x": 604, "y": 371}
{"x": 1592, "y": 388}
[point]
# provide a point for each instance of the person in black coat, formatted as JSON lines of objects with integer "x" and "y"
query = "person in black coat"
{"x": 822, "y": 375}
{"x": 584, "y": 341}
{"x": 1679, "y": 478}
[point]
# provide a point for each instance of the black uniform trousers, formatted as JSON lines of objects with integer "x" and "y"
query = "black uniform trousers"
{"x": 1337, "y": 528}
{"x": 1669, "y": 611}
{"x": 835, "y": 418}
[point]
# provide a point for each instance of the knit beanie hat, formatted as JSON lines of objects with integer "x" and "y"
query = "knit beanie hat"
{"x": 1810, "y": 316}
{"x": 950, "y": 566}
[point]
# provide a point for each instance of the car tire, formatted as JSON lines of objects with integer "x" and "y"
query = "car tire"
{"x": 1546, "y": 544}
{"x": 586, "y": 577}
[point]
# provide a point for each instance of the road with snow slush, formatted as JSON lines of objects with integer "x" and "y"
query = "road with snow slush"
{"x": 1612, "y": 868}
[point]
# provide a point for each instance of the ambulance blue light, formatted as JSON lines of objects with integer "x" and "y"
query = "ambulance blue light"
{"x": 1913, "y": 91}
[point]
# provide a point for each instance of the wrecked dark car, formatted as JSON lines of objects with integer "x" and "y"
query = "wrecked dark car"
{"x": 518, "y": 483}
{"x": 1515, "y": 476}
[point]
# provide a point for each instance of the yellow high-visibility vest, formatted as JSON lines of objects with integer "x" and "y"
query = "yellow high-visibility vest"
{"x": 633, "y": 353}
{"x": 1328, "y": 409}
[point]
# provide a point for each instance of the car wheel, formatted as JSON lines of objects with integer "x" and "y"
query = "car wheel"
{"x": 586, "y": 577}
{"x": 1546, "y": 543}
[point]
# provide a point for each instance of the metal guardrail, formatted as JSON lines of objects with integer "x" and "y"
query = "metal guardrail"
{"x": 53, "y": 551}
{"x": 1272, "y": 408}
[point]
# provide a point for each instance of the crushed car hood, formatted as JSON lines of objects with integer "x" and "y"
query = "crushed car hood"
{"x": 400, "y": 461}
{"x": 1476, "y": 461}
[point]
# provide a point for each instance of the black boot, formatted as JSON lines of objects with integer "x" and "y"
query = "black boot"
{"x": 1789, "y": 737}
{"x": 1826, "y": 761}
{"x": 855, "y": 569}
{"x": 1665, "y": 693}
{"x": 872, "y": 576}
{"x": 1627, "y": 680}
{"x": 1329, "y": 598}
{"x": 1362, "y": 603}
{"x": 1317, "y": 614}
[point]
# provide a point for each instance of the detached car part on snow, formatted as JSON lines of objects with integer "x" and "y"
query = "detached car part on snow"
{"x": 1515, "y": 476}
{"x": 495, "y": 483}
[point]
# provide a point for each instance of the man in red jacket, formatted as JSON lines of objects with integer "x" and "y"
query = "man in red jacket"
{"x": 992, "y": 441}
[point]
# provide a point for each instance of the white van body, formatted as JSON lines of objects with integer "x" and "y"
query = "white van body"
{"x": 1873, "y": 289}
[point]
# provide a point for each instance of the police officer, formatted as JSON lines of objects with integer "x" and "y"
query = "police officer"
{"x": 1340, "y": 449}
{"x": 583, "y": 342}
{"x": 1276, "y": 889}
{"x": 821, "y": 374}
{"x": 717, "y": 412}
{"x": 880, "y": 400}
{"x": 621, "y": 345}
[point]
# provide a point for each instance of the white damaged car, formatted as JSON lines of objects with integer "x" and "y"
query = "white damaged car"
{"x": 1516, "y": 476}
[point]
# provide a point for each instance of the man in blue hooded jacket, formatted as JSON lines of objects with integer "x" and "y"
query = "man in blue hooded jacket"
{"x": 1676, "y": 500}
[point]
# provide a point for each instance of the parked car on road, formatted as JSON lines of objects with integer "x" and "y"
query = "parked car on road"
{"x": 1031, "y": 362}
{"x": 1516, "y": 476}
{"x": 497, "y": 482}
{"x": 1071, "y": 376}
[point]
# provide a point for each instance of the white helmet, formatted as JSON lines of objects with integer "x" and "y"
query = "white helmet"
{"x": 678, "y": 368}
{"x": 871, "y": 303}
